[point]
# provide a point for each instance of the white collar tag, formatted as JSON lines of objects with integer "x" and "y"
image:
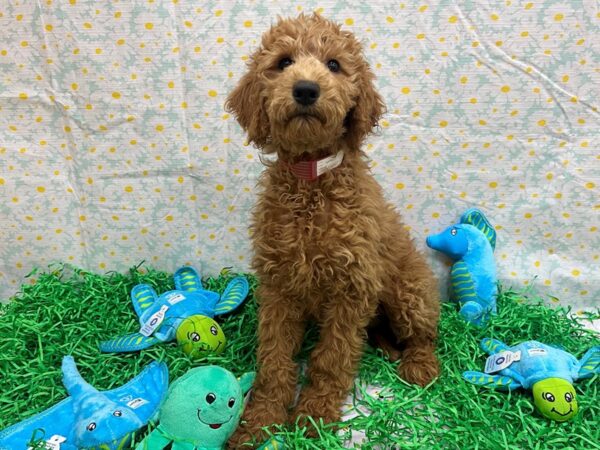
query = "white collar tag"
{"x": 329, "y": 163}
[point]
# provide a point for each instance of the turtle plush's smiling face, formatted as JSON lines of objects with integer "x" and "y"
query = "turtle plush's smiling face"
{"x": 555, "y": 399}
{"x": 199, "y": 335}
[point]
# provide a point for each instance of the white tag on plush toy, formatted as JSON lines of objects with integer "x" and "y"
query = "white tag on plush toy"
{"x": 501, "y": 361}
{"x": 137, "y": 402}
{"x": 536, "y": 351}
{"x": 54, "y": 442}
{"x": 154, "y": 321}
{"x": 175, "y": 298}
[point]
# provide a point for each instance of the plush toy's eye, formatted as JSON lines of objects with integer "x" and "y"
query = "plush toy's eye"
{"x": 284, "y": 62}
{"x": 214, "y": 330}
{"x": 568, "y": 397}
{"x": 91, "y": 426}
{"x": 195, "y": 337}
{"x": 333, "y": 65}
{"x": 453, "y": 231}
{"x": 210, "y": 398}
{"x": 117, "y": 413}
{"x": 548, "y": 396}
{"x": 231, "y": 402}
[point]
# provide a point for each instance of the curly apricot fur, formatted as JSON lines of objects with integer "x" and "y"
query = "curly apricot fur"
{"x": 331, "y": 251}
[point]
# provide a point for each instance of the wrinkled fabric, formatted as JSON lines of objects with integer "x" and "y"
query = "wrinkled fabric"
{"x": 115, "y": 148}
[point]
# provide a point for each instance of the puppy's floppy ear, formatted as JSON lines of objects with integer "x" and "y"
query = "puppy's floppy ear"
{"x": 248, "y": 106}
{"x": 364, "y": 116}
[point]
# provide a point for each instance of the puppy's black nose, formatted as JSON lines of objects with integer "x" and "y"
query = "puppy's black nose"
{"x": 306, "y": 92}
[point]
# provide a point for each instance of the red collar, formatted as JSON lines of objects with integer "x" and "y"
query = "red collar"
{"x": 311, "y": 170}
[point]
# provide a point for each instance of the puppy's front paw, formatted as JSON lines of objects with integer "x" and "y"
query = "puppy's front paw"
{"x": 317, "y": 407}
{"x": 418, "y": 366}
{"x": 241, "y": 439}
{"x": 250, "y": 433}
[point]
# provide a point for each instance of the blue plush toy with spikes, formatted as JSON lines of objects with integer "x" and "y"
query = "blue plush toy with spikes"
{"x": 185, "y": 313}
{"x": 548, "y": 371}
{"x": 470, "y": 244}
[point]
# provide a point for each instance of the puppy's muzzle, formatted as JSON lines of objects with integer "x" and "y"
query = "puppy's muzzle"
{"x": 306, "y": 92}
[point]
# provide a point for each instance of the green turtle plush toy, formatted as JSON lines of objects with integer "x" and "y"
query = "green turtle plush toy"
{"x": 201, "y": 411}
{"x": 548, "y": 371}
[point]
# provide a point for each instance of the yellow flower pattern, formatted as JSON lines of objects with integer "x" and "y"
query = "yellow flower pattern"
{"x": 114, "y": 146}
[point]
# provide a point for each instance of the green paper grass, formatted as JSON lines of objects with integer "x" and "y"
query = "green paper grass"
{"x": 69, "y": 311}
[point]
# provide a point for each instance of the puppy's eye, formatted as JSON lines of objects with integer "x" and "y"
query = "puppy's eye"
{"x": 333, "y": 65}
{"x": 284, "y": 62}
{"x": 453, "y": 231}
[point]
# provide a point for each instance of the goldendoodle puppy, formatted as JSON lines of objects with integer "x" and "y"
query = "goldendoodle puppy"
{"x": 327, "y": 246}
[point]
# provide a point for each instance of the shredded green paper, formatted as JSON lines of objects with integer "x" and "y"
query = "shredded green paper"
{"x": 69, "y": 311}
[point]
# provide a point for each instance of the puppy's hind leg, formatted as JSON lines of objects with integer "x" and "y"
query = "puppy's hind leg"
{"x": 411, "y": 303}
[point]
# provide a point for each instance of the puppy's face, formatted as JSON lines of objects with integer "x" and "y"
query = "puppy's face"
{"x": 308, "y": 87}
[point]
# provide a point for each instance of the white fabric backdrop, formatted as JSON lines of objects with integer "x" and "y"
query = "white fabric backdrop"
{"x": 114, "y": 146}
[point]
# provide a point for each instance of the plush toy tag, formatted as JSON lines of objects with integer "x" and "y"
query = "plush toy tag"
{"x": 154, "y": 321}
{"x": 175, "y": 298}
{"x": 137, "y": 402}
{"x": 53, "y": 443}
{"x": 501, "y": 361}
{"x": 536, "y": 351}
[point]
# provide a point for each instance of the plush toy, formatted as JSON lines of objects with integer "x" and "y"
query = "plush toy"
{"x": 201, "y": 411}
{"x": 470, "y": 244}
{"x": 91, "y": 419}
{"x": 185, "y": 313}
{"x": 198, "y": 334}
{"x": 549, "y": 372}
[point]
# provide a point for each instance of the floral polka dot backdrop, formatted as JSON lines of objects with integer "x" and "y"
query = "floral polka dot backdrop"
{"x": 115, "y": 148}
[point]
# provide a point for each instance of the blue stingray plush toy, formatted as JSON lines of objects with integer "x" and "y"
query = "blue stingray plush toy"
{"x": 470, "y": 244}
{"x": 186, "y": 313}
{"x": 90, "y": 419}
{"x": 548, "y": 371}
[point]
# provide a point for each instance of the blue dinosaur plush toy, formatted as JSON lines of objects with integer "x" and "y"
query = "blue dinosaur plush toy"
{"x": 91, "y": 419}
{"x": 548, "y": 371}
{"x": 470, "y": 244}
{"x": 186, "y": 313}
